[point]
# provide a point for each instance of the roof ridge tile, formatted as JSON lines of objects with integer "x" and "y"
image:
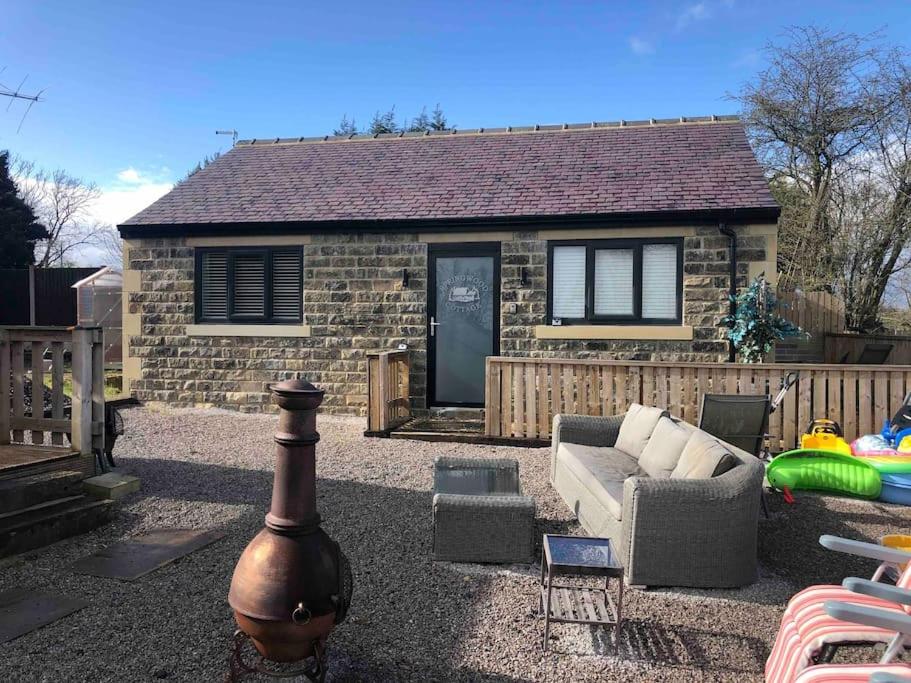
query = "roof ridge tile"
{"x": 536, "y": 128}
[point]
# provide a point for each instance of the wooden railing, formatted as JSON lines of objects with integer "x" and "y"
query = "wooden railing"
{"x": 84, "y": 427}
{"x": 388, "y": 390}
{"x": 523, "y": 394}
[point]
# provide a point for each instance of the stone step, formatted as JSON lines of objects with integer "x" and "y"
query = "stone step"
{"x": 51, "y": 521}
{"x": 23, "y": 492}
{"x": 466, "y": 414}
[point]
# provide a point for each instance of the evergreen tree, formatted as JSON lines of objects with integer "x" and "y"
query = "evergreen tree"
{"x": 384, "y": 123}
{"x": 438, "y": 119}
{"x": 346, "y": 128}
{"x": 19, "y": 228}
{"x": 206, "y": 160}
{"x": 420, "y": 123}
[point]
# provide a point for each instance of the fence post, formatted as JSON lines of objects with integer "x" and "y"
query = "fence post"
{"x": 82, "y": 390}
{"x": 4, "y": 387}
{"x": 98, "y": 388}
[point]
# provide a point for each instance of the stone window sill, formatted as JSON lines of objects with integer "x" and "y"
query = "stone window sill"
{"x": 248, "y": 330}
{"x": 636, "y": 332}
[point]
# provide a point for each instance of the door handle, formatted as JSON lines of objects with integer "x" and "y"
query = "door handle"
{"x": 433, "y": 326}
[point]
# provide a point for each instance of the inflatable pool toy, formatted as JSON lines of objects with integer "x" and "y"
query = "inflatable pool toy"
{"x": 874, "y": 445}
{"x": 824, "y": 471}
{"x": 896, "y": 489}
{"x": 825, "y": 435}
{"x": 896, "y": 430}
{"x": 888, "y": 464}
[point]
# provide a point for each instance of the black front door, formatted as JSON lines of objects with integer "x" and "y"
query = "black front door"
{"x": 463, "y": 320}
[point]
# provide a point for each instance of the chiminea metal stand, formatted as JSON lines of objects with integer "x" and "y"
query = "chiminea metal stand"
{"x": 292, "y": 584}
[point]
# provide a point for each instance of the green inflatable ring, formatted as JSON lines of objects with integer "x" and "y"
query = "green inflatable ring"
{"x": 824, "y": 471}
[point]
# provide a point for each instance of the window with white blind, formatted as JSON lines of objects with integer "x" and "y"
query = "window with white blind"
{"x": 615, "y": 281}
{"x": 568, "y": 290}
{"x": 245, "y": 285}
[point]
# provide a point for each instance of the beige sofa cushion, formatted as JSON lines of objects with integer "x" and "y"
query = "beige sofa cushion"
{"x": 703, "y": 457}
{"x": 636, "y": 428}
{"x": 663, "y": 450}
{"x": 601, "y": 471}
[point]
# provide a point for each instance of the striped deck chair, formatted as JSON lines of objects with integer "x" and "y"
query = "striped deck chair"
{"x": 859, "y": 673}
{"x": 808, "y": 635}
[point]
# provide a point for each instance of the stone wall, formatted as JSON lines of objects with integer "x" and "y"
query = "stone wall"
{"x": 354, "y": 303}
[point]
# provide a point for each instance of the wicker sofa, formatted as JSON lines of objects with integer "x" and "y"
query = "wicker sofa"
{"x": 682, "y": 506}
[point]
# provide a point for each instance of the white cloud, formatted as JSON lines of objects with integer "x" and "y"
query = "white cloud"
{"x": 692, "y": 14}
{"x": 640, "y": 46}
{"x": 129, "y": 175}
{"x": 130, "y": 193}
{"x": 123, "y": 200}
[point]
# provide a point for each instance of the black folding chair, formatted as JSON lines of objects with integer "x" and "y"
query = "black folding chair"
{"x": 741, "y": 420}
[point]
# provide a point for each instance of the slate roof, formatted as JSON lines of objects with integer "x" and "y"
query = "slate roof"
{"x": 548, "y": 171}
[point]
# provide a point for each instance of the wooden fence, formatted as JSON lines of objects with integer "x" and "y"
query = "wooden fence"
{"x": 85, "y": 425}
{"x": 817, "y": 313}
{"x": 850, "y": 346}
{"x": 523, "y": 394}
{"x": 388, "y": 391}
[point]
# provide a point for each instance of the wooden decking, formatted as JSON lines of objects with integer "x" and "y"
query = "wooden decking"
{"x": 17, "y": 460}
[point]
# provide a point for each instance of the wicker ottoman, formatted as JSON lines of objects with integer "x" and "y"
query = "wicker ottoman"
{"x": 479, "y": 514}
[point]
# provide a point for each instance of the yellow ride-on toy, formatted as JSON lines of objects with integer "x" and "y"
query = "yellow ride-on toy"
{"x": 824, "y": 434}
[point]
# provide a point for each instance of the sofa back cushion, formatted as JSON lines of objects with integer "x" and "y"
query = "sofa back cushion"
{"x": 664, "y": 448}
{"x": 703, "y": 457}
{"x": 636, "y": 428}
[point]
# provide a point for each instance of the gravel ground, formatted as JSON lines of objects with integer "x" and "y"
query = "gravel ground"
{"x": 411, "y": 619}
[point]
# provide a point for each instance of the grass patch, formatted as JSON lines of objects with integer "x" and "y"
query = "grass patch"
{"x": 113, "y": 383}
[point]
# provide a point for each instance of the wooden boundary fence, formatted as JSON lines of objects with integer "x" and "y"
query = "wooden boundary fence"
{"x": 523, "y": 394}
{"x": 817, "y": 313}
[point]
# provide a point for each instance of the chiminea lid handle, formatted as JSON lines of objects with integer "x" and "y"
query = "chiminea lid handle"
{"x": 300, "y": 615}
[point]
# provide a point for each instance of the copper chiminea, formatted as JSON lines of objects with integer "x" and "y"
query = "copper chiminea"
{"x": 292, "y": 584}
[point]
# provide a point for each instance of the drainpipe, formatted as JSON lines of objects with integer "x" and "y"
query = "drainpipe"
{"x": 732, "y": 287}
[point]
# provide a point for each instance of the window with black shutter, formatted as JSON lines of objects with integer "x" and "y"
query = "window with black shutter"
{"x": 249, "y": 285}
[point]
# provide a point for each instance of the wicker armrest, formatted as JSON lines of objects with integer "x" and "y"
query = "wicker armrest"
{"x": 672, "y": 529}
{"x": 587, "y": 430}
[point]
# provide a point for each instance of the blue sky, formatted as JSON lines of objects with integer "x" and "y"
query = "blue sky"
{"x": 134, "y": 91}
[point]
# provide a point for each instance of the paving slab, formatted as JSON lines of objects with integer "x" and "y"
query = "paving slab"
{"x": 23, "y": 610}
{"x": 132, "y": 559}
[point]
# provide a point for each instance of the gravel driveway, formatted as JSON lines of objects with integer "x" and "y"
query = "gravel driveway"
{"x": 411, "y": 619}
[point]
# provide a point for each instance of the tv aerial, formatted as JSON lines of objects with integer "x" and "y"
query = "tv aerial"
{"x": 232, "y": 133}
{"x": 17, "y": 94}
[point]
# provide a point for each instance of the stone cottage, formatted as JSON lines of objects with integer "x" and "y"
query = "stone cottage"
{"x": 301, "y": 256}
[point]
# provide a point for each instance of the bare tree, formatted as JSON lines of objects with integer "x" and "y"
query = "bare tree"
{"x": 63, "y": 203}
{"x": 830, "y": 119}
{"x": 111, "y": 245}
{"x": 871, "y": 210}
{"x": 814, "y": 108}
